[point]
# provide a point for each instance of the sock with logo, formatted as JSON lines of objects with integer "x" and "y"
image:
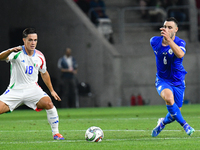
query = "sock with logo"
{"x": 53, "y": 119}
{"x": 176, "y": 113}
{"x": 168, "y": 119}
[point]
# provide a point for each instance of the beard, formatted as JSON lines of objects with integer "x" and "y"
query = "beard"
{"x": 172, "y": 35}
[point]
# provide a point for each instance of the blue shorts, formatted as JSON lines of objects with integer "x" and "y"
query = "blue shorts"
{"x": 178, "y": 91}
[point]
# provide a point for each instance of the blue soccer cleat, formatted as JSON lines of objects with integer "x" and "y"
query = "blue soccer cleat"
{"x": 189, "y": 130}
{"x": 58, "y": 136}
{"x": 160, "y": 126}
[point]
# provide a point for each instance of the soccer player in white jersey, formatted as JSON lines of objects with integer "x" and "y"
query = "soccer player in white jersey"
{"x": 26, "y": 62}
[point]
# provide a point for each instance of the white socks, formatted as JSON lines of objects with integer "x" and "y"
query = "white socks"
{"x": 53, "y": 119}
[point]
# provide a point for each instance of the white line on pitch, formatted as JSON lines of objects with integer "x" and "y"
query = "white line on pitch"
{"x": 84, "y": 119}
{"x": 85, "y": 130}
{"x": 68, "y": 119}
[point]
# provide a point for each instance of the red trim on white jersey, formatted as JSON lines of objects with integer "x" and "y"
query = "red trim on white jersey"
{"x": 41, "y": 56}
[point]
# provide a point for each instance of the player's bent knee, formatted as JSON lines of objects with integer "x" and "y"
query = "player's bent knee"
{"x": 169, "y": 100}
{"x": 45, "y": 103}
{"x": 50, "y": 105}
{"x": 167, "y": 96}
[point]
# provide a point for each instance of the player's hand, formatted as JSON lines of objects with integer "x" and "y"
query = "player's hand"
{"x": 55, "y": 95}
{"x": 165, "y": 34}
{"x": 163, "y": 31}
{"x": 16, "y": 49}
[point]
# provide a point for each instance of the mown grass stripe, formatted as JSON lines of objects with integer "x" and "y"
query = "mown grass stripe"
{"x": 74, "y": 141}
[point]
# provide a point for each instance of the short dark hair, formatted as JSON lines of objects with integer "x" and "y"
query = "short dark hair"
{"x": 172, "y": 19}
{"x": 28, "y": 31}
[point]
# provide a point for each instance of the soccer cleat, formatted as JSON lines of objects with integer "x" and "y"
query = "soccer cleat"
{"x": 160, "y": 126}
{"x": 189, "y": 130}
{"x": 58, "y": 136}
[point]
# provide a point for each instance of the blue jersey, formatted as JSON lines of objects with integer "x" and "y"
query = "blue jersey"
{"x": 169, "y": 67}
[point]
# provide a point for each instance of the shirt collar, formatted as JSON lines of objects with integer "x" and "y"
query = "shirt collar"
{"x": 23, "y": 49}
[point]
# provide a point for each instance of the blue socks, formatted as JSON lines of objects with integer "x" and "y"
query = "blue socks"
{"x": 168, "y": 119}
{"x": 175, "y": 113}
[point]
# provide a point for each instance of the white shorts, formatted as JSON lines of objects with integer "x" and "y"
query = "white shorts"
{"x": 16, "y": 97}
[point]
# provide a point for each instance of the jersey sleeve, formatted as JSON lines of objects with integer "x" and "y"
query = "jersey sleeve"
{"x": 43, "y": 67}
{"x": 154, "y": 41}
{"x": 151, "y": 42}
{"x": 12, "y": 56}
{"x": 182, "y": 45}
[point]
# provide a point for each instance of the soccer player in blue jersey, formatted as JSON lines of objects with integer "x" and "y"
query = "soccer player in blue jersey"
{"x": 169, "y": 51}
{"x": 26, "y": 63}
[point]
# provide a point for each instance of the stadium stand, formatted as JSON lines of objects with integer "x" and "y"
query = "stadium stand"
{"x": 113, "y": 71}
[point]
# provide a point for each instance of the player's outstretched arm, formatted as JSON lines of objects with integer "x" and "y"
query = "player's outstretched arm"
{"x": 47, "y": 80}
{"x": 4, "y": 55}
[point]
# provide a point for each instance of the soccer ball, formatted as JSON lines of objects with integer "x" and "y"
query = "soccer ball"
{"x": 94, "y": 134}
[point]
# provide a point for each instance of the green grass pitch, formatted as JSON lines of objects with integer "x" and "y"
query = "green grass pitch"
{"x": 124, "y": 128}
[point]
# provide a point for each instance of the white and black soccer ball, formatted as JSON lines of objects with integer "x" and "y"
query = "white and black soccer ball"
{"x": 94, "y": 134}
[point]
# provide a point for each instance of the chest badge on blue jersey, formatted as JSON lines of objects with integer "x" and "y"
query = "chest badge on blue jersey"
{"x": 170, "y": 51}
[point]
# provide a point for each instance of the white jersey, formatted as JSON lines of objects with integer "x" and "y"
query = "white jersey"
{"x": 24, "y": 69}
